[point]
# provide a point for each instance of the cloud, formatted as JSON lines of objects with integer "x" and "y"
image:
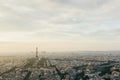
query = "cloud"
{"x": 86, "y": 4}
{"x": 61, "y": 19}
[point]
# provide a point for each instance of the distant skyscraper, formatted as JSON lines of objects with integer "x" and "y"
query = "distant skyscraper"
{"x": 36, "y": 52}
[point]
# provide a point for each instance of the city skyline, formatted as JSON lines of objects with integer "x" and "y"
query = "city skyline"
{"x": 59, "y": 25}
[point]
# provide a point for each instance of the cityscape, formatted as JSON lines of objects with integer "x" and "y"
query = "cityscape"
{"x": 70, "y": 66}
{"x": 59, "y": 39}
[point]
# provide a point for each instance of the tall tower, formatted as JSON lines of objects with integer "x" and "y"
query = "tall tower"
{"x": 36, "y": 52}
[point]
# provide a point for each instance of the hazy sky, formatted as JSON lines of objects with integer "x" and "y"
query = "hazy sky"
{"x": 55, "y": 25}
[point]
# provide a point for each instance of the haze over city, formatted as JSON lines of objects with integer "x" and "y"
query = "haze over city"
{"x": 59, "y": 25}
{"x": 59, "y": 39}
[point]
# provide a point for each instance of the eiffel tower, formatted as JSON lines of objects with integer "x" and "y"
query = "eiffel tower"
{"x": 37, "y": 52}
